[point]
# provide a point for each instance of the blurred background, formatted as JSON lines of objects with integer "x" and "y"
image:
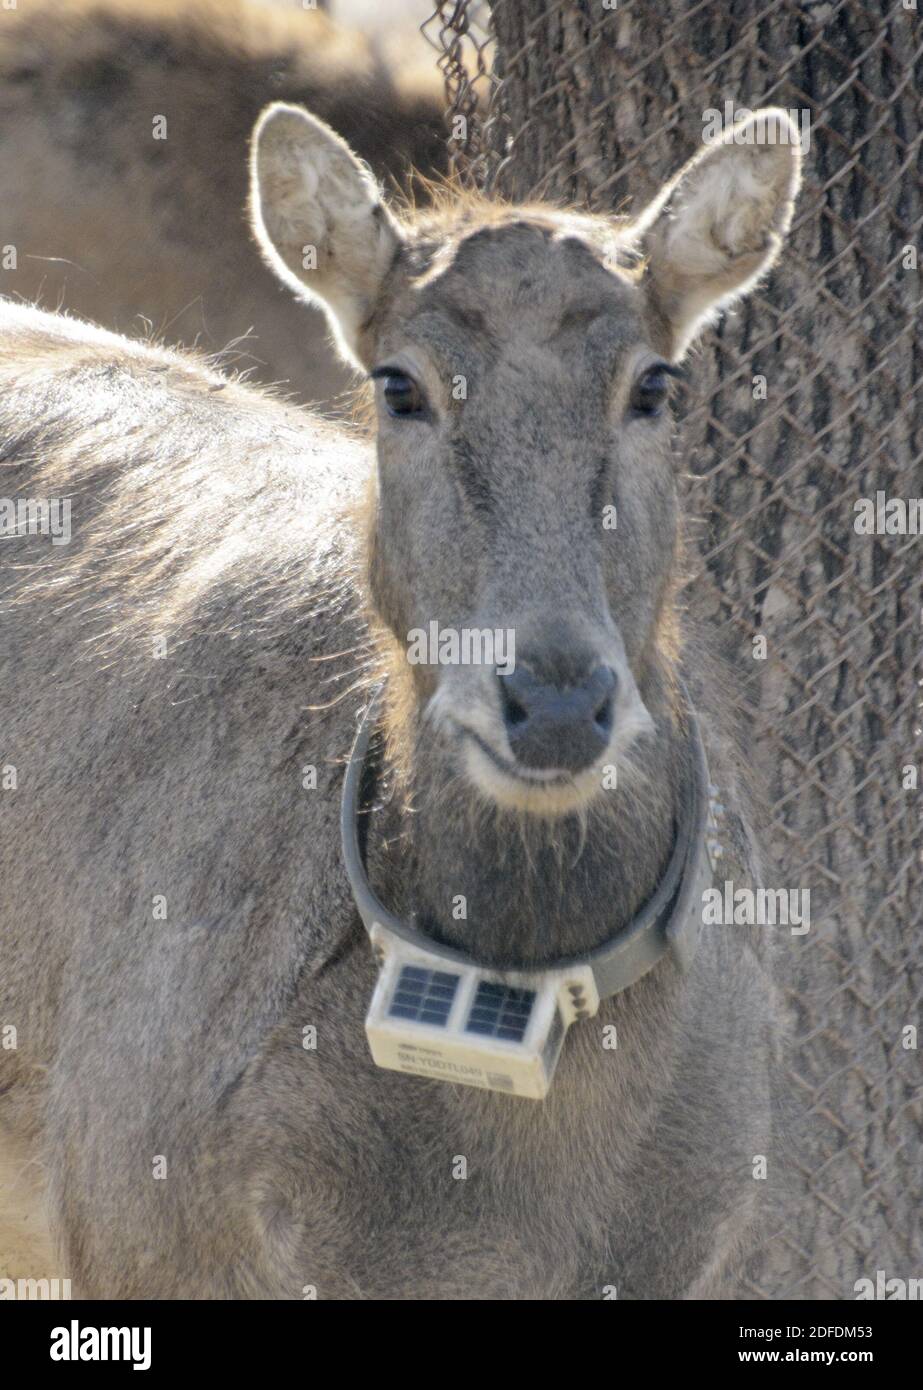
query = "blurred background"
{"x": 124, "y": 128}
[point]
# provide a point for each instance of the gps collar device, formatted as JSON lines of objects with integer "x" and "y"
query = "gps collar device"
{"x": 436, "y": 1012}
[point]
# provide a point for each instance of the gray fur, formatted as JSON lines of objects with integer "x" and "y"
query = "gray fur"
{"x": 244, "y": 533}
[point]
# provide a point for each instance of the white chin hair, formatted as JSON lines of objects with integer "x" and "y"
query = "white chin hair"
{"x": 552, "y": 795}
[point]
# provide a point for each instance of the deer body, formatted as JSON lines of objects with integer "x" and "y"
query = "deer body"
{"x": 176, "y": 916}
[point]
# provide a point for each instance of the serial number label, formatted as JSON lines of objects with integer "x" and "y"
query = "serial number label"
{"x": 768, "y": 1334}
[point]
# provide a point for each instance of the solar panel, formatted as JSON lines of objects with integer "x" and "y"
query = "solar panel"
{"x": 499, "y": 1011}
{"x": 467, "y": 1026}
{"x": 424, "y": 996}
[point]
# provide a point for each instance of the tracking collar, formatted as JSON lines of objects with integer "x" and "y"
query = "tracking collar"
{"x": 436, "y": 1012}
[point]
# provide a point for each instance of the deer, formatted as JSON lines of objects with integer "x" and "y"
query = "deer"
{"x": 124, "y": 188}
{"x": 233, "y": 808}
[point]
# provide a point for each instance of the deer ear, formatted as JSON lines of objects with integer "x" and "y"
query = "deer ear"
{"x": 719, "y": 224}
{"x": 318, "y": 217}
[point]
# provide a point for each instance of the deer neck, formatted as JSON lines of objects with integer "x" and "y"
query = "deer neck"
{"x": 515, "y": 890}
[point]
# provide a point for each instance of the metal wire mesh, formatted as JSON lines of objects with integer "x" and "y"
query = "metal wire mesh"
{"x": 593, "y": 101}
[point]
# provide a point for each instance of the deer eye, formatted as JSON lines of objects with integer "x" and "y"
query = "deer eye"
{"x": 402, "y": 394}
{"x": 649, "y": 393}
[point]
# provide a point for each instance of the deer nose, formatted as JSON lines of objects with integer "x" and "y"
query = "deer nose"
{"x": 556, "y": 727}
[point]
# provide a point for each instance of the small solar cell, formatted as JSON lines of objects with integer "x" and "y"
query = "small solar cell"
{"x": 423, "y": 996}
{"x": 500, "y": 1012}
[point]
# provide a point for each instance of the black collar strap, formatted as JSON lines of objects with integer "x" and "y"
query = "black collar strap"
{"x": 668, "y": 923}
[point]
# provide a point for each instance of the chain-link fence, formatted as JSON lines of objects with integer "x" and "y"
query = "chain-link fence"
{"x": 803, "y": 402}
